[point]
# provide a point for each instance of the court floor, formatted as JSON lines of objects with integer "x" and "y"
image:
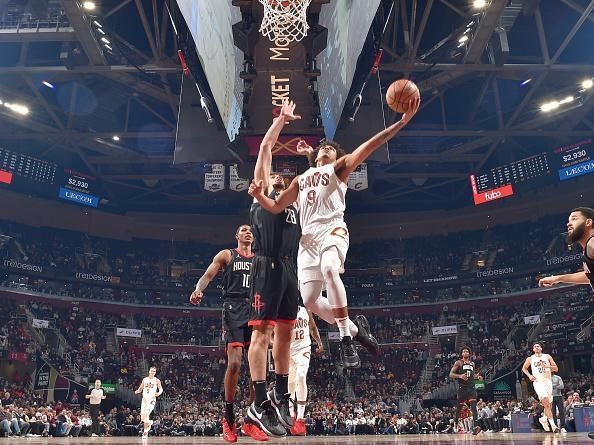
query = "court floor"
{"x": 484, "y": 439}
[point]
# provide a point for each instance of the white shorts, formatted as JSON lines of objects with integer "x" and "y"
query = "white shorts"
{"x": 313, "y": 243}
{"x": 543, "y": 389}
{"x": 146, "y": 408}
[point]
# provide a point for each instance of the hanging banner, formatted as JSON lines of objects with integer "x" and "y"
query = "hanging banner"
{"x": 532, "y": 319}
{"x": 40, "y": 324}
{"x": 236, "y": 183}
{"x": 214, "y": 177}
{"x": 445, "y": 330}
{"x": 358, "y": 179}
{"x": 55, "y": 387}
{"x": 127, "y": 332}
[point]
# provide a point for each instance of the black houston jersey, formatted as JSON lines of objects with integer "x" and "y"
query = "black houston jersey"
{"x": 236, "y": 276}
{"x": 468, "y": 369}
{"x": 589, "y": 264}
{"x": 275, "y": 235}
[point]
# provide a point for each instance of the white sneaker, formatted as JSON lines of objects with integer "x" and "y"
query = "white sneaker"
{"x": 563, "y": 430}
{"x": 94, "y": 435}
{"x": 545, "y": 423}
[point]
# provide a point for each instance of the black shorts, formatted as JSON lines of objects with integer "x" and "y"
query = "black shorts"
{"x": 274, "y": 293}
{"x": 466, "y": 394}
{"x": 236, "y": 314}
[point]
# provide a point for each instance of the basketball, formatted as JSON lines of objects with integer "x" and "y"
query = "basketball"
{"x": 400, "y": 93}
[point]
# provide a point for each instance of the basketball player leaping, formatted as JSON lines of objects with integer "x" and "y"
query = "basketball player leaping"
{"x": 320, "y": 193}
{"x": 305, "y": 328}
{"x": 274, "y": 294}
{"x": 542, "y": 365}
{"x": 151, "y": 388}
{"x": 580, "y": 229}
{"x": 236, "y": 265}
{"x": 465, "y": 373}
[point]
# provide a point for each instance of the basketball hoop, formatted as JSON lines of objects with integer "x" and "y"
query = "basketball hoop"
{"x": 285, "y": 20}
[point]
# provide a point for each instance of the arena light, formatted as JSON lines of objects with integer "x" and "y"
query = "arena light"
{"x": 587, "y": 84}
{"x": 17, "y": 108}
{"x": 479, "y": 4}
{"x": 115, "y": 137}
{"x": 100, "y": 31}
{"x": 549, "y": 106}
{"x": 463, "y": 39}
{"x": 104, "y": 40}
{"x": 526, "y": 82}
{"x": 47, "y": 84}
{"x": 108, "y": 47}
{"x": 97, "y": 24}
{"x": 89, "y": 6}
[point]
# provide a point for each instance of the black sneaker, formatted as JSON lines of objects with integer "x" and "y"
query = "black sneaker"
{"x": 364, "y": 336}
{"x": 476, "y": 430}
{"x": 265, "y": 417}
{"x": 281, "y": 406}
{"x": 348, "y": 353}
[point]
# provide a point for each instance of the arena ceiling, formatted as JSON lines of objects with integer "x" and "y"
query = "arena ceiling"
{"x": 478, "y": 110}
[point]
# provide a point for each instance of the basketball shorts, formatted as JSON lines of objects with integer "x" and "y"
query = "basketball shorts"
{"x": 298, "y": 367}
{"x": 146, "y": 408}
{"x": 543, "y": 389}
{"x": 466, "y": 395}
{"x": 274, "y": 296}
{"x": 317, "y": 240}
{"x": 236, "y": 315}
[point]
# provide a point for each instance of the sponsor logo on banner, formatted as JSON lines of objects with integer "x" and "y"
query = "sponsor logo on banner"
{"x": 532, "y": 319}
{"x": 236, "y": 183}
{"x": 493, "y": 194}
{"x": 214, "y": 177}
{"x": 439, "y": 279}
{"x": 358, "y": 179}
{"x": 108, "y": 388}
{"x": 444, "y": 330}
{"x": 40, "y": 324}
{"x": 78, "y": 197}
{"x": 16, "y": 264}
{"x": 126, "y": 332}
{"x": 93, "y": 277}
{"x": 564, "y": 259}
{"x": 494, "y": 272}
{"x": 563, "y": 325}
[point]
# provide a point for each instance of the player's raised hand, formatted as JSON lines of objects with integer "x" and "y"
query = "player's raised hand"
{"x": 547, "y": 281}
{"x": 196, "y": 297}
{"x": 303, "y": 148}
{"x": 413, "y": 107}
{"x": 256, "y": 188}
{"x": 287, "y": 111}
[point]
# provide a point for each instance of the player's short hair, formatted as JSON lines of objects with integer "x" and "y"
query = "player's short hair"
{"x": 586, "y": 211}
{"x": 311, "y": 157}
{"x": 537, "y": 343}
{"x": 236, "y": 233}
{"x": 153, "y": 367}
{"x": 468, "y": 348}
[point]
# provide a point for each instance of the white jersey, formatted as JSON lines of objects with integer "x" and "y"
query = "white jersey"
{"x": 539, "y": 371}
{"x": 321, "y": 198}
{"x": 150, "y": 388}
{"x": 301, "y": 338}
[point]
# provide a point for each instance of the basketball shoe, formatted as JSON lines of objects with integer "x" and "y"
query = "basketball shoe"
{"x": 367, "y": 340}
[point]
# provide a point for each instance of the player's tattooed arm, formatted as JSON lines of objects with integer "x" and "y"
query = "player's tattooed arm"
{"x": 347, "y": 164}
{"x": 284, "y": 200}
{"x": 454, "y": 374}
{"x": 220, "y": 261}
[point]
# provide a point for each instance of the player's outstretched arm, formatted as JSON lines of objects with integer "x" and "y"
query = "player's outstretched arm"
{"x": 347, "y": 164}
{"x": 220, "y": 260}
{"x": 284, "y": 200}
{"x": 570, "y": 278}
{"x": 264, "y": 161}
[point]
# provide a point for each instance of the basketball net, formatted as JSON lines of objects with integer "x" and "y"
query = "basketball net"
{"x": 285, "y": 20}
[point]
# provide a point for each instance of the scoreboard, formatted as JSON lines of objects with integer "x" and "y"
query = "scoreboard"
{"x": 565, "y": 162}
{"x": 33, "y": 175}
{"x": 574, "y": 160}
